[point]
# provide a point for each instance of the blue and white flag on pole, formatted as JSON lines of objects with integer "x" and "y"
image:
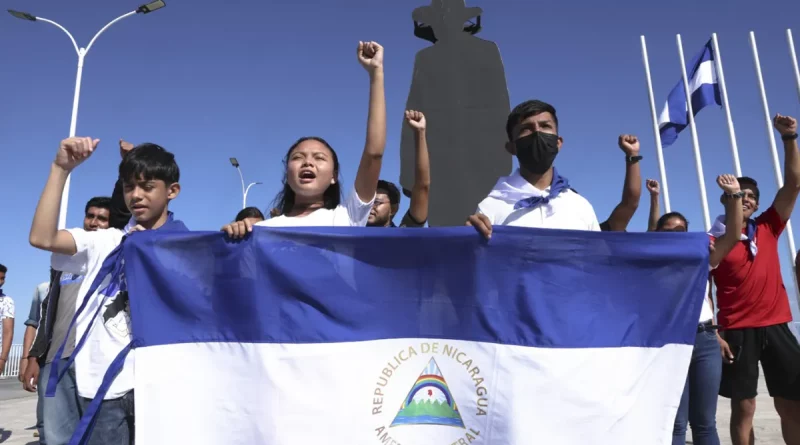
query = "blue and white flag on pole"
{"x": 703, "y": 84}
{"x": 405, "y": 336}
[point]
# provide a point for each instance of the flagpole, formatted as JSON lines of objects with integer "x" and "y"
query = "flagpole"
{"x": 659, "y": 152}
{"x": 697, "y": 159}
{"x": 776, "y": 163}
{"x": 793, "y": 55}
{"x": 726, "y": 104}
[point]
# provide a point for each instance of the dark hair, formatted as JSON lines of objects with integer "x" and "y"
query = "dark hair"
{"x": 119, "y": 215}
{"x": 525, "y": 110}
{"x": 249, "y": 212}
{"x": 149, "y": 161}
{"x": 391, "y": 190}
{"x": 750, "y": 183}
{"x": 3, "y": 269}
{"x": 101, "y": 202}
{"x": 284, "y": 200}
{"x": 668, "y": 216}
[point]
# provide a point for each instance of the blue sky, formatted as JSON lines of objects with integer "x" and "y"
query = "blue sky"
{"x": 248, "y": 79}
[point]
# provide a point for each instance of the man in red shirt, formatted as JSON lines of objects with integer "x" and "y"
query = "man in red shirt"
{"x": 754, "y": 312}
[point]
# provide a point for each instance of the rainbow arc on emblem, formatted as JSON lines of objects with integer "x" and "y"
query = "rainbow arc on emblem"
{"x": 429, "y": 402}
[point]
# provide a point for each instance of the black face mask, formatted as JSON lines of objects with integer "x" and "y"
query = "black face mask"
{"x": 537, "y": 151}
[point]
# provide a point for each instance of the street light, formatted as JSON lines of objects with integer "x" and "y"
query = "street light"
{"x": 143, "y": 9}
{"x": 235, "y": 165}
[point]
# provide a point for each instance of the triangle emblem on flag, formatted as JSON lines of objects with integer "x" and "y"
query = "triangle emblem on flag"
{"x": 429, "y": 402}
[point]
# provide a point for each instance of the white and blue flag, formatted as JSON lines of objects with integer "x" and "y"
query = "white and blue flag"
{"x": 403, "y": 336}
{"x": 704, "y": 88}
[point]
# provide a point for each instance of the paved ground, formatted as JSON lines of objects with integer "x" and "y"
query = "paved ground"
{"x": 18, "y": 408}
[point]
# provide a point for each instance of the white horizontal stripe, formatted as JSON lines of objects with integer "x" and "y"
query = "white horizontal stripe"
{"x": 706, "y": 73}
{"x": 331, "y": 393}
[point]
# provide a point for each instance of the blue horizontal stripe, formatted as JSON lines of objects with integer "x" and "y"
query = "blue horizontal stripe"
{"x": 530, "y": 287}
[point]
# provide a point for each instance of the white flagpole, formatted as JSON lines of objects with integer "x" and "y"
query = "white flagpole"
{"x": 697, "y": 159}
{"x": 776, "y": 163}
{"x": 659, "y": 152}
{"x": 793, "y": 55}
{"x": 726, "y": 104}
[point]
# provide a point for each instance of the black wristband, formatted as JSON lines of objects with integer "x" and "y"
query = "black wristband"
{"x": 632, "y": 159}
{"x": 789, "y": 137}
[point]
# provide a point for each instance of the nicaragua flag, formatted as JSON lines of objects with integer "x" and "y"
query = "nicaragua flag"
{"x": 404, "y": 336}
{"x": 704, "y": 86}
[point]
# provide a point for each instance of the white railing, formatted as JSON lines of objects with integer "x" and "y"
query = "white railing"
{"x": 12, "y": 364}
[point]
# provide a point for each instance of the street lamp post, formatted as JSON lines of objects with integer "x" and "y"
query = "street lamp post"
{"x": 235, "y": 164}
{"x": 143, "y": 9}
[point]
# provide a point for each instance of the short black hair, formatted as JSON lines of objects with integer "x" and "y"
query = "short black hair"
{"x": 668, "y": 216}
{"x": 101, "y": 202}
{"x": 391, "y": 190}
{"x": 249, "y": 212}
{"x": 149, "y": 161}
{"x": 750, "y": 183}
{"x": 525, "y": 110}
{"x": 3, "y": 269}
{"x": 119, "y": 215}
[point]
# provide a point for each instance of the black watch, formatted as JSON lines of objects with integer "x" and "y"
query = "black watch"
{"x": 632, "y": 159}
{"x": 789, "y": 137}
{"x": 739, "y": 194}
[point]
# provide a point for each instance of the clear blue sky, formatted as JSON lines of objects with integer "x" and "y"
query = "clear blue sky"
{"x": 250, "y": 78}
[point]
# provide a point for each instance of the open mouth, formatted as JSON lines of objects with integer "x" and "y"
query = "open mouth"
{"x": 307, "y": 176}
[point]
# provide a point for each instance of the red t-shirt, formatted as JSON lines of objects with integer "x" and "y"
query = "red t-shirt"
{"x": 750, "y": 292}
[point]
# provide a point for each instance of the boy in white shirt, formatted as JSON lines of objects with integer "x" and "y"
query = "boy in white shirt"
{"x": 535, "y": 195}
{"x": 150, "y": 181}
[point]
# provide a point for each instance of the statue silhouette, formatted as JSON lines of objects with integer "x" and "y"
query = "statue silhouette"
{"x": 459, "y": 84}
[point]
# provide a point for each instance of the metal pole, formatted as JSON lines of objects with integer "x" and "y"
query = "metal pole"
{"x": 727, "y": 105}
{"x": 697, "y": 158}
{"x": 62, "y": 211}
{"x": 659, "y": 152}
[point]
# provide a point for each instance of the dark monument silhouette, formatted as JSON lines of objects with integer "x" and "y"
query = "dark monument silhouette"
{"x": 459, "y": 84}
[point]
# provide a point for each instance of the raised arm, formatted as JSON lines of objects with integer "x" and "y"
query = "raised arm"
{"x": 655, "y": 205}
{"x": 370, "y": 55}
{"x": 632, "y": 188}
{"x": 418, "y": 210}
{"x": 734, "y": 219}
{"x": 787, "y": 195}
{"x": 44, "y": 229}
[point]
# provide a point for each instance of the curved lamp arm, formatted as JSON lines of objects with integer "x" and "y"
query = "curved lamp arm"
{"x": 74, "y": 44}
{"x": 91, "y": 42}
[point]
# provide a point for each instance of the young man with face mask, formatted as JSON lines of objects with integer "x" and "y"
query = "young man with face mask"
{"x": 754, "y": 312}
{"x": 536, "y": 195}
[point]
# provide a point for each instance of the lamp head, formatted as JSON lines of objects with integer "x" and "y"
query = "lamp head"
{"x": 234, "y": 162}
{"x": 150, "y": 7}
{"x": 22, "y": 15}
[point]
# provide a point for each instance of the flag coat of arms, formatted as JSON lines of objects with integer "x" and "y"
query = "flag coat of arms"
{"x": 405, "y": 336}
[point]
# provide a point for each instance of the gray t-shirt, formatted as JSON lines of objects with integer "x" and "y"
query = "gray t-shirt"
{"x": 67, "y": 305}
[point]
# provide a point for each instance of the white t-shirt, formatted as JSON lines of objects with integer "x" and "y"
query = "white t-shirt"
{"x": 352, "y": 212}
{"x": 6, "y": 311}
{"x": 111, "y": 331}
{"x": 568, "y": 210}
{"x": 706, "y": 313}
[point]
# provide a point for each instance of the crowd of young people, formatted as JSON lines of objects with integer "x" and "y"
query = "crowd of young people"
{"x": 753, "y": 308}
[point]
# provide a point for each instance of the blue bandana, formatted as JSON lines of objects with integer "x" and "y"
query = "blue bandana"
{"x": 557, "y": 185}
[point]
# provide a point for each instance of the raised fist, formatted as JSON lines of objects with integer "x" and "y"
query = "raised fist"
{"x": 415, "y": 120}
{"x": 728, "y": 183}
{"x": 73, "y": 151}
{"x": 786, "y": 125}
{"x": 629, "y": 144}
{"x": 653, "y": 187}
{"x": 370, "y": 55}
